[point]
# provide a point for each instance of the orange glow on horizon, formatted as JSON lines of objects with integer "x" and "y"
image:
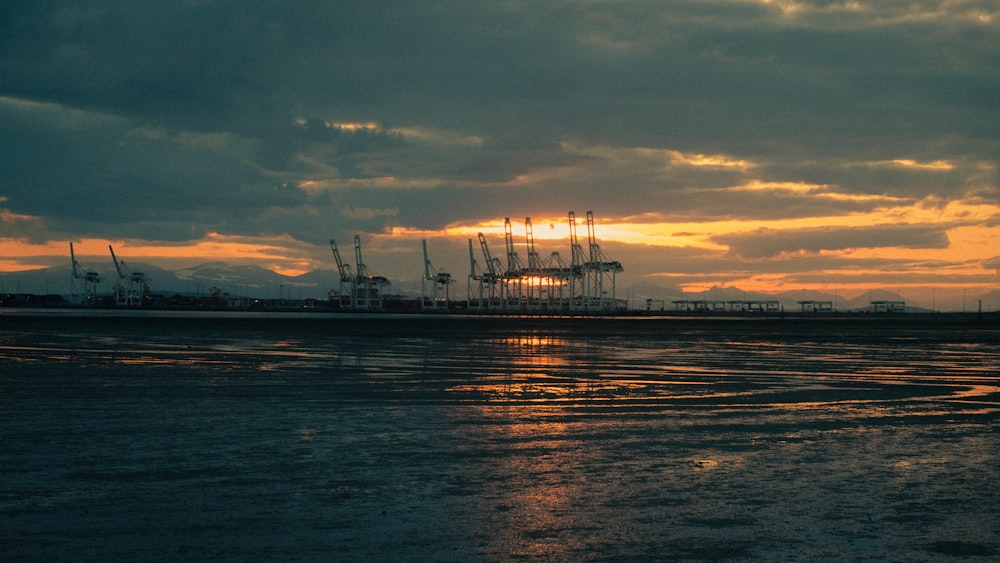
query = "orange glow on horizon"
{"x": 281, "y": 254}
{"x": 14, "y": 266}
{"x": 968, "y": 261}
{"x": 961, "y": 218}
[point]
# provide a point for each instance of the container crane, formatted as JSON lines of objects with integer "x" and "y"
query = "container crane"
{"x": 514, "y": 264}
{"x": 537, "y": 279}
{"x": 545, "y": 278}
{"x": 369, "y": 284}
{"x": 347, "y": 277}
{"x": 599, "y": 268}
{"x": 492, "y": 267}
{"x": 514, "y": 276}
{"x": 89, "y": 278}
{"x": 494, "y": 271}
{"x": 596, "y": 255}
{"x": 476, "y": 274}
{"x": 577, "y": 260}
{"x": 440, "y": 282}
{"x": 122, "y": 295}
{"x": 576, "y": 257}
{"x": 137, "y": 285}
{"x": 534, "y": 260}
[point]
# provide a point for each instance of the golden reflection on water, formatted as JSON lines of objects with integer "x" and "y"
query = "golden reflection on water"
{"x": 540, "y": 480}
{"x": 532, "y": 341}
{"x": 862, "y": 380}
{"x": 976, "y": 391}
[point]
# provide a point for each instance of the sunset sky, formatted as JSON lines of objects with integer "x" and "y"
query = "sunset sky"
{"x": 770, "y": 145}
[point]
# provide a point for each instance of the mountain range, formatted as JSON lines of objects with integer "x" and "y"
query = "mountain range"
{"x": 241, "y": 280}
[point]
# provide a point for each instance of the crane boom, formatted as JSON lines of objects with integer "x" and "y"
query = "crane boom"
{"x": 72, "y": 258}
{"x": 595, "y": 250}
{"x": 118, "y": 265}
{"x": 361, "y": 269}
{"x": 534, "y": 261}
{"x": 346, "y": 274}
{"x": 472, "y": 261}
{"x": 431, "y": 273}
{"x": 427, "y": 262}
{"x": 486, "y": 255}
{"x": 512, "y": 260}
{"x": 90, "y": 277}
{"x": 576, "y": 257}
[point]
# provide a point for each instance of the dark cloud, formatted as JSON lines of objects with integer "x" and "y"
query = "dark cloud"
{"x": 166, "y": 121}
{"x": 93, "y": 173}
{"x": 767, "y": 243}
{"x": 637, "y": 74}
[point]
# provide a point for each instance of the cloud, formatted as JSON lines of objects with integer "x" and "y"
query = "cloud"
{"x": 367, "y": 214}
{"x": 167, "y": 122}
{"x": 769, "y": 243}
{"x": 993, "y": 264}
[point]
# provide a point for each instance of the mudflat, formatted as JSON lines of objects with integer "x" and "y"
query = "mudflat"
{"x": 319, "y": 437}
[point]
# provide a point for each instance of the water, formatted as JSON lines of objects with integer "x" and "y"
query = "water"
{"x": 440, "y": 439}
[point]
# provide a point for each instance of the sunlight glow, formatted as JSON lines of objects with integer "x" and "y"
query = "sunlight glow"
{"x": 7, "y": 216}
{"x": 791, "y": 187}
{"x": 668, "y": 157}
{"x": 369, "y": 126}
{"x": 439, "y": 137}
{"x": 880, "y": 14}
{"x": 18, "y": 266}
{"x": 344, "y": 126}
{"x": 909, "y": 163}
{"x": 963, "y": 220}
{"x": 316, "y": 186}
{"x": 713, "y": 160}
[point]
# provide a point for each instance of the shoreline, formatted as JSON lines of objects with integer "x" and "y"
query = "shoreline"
{"x": 472, "y": 323}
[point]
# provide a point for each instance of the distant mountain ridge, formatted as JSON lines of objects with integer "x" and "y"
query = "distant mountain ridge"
{"x": 244, "y": 280}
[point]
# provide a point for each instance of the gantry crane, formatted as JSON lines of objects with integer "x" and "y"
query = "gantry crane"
{"x": 360, "y": 288}
{"x": 347, "y": 278}
{"x": 439, "y": 281}
{"x": 545, "y": 279}
{"x": 586, "y": 283}
{"x": 136, "y": 288}
{"x": 533, "y": 278}
{"x": 476, "y": 274}
{"x": 88, "y": 278}
{"x": 369, "y": 285}
{"x": 599, "y": 270}
{"x": 534, "y": 260}
{"x": 514, "y": 275}
{"x": 493, "y": 276}
{"x": 514, "y": 264}
{"x": 577, "y": 287}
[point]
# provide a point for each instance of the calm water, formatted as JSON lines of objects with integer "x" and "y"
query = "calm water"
{"x": 334, "y": 438}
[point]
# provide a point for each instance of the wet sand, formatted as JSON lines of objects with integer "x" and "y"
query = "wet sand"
{"x": 468, "y": 439}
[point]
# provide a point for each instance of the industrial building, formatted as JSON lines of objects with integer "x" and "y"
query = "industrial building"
{"x": 739, "y": 306}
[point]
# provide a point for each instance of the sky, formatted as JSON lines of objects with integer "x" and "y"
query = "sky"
{"x": 768, "y": 145}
